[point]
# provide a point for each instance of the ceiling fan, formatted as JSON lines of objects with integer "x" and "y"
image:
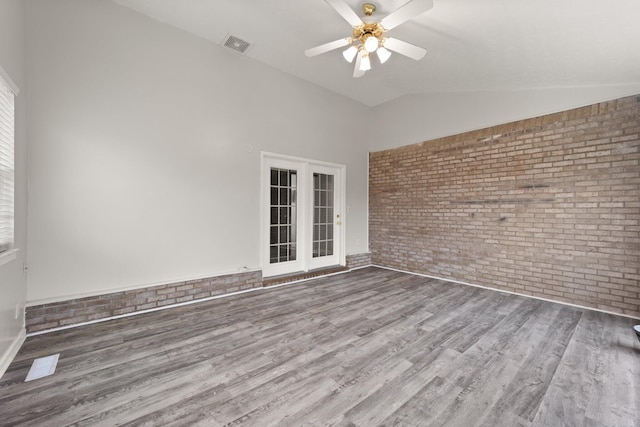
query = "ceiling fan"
{"x": 369, "y": 37}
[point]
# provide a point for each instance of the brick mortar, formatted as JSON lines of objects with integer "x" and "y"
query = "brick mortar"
{"x": 75, "y": 311}
{"x": 548, "y": 207}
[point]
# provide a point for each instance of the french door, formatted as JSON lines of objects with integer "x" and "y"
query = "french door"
{"x": 302, "y": 215}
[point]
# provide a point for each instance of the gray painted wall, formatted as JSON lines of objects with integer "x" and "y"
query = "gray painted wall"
{"x": 145, "y": 149}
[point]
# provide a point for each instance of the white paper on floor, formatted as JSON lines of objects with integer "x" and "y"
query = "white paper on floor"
{"x": 42, "y": 367}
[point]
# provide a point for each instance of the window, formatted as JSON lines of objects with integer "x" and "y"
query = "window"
{"x": 7, "y": 118}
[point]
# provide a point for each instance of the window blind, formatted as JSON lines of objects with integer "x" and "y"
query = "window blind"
{"x": 7, "y": 118}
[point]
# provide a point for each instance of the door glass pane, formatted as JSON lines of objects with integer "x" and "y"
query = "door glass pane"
{"x": 283, "y": 215}
{"x": 284, "y": 196}
{"x": 322, "y": 215}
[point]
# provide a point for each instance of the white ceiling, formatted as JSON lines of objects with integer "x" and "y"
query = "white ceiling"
{"x": 473, "y": 45}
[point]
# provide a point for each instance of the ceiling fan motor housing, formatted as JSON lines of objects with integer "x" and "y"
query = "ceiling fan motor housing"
{"x": 366, "y": 30}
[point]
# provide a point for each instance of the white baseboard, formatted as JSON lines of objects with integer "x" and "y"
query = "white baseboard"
{"x": 11, "y": 352}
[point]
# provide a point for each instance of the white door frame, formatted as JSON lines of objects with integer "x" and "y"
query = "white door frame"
{"x": 305, "y": 168}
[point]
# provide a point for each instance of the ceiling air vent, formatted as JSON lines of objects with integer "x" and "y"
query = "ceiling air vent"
{"x": 236, "y": 44}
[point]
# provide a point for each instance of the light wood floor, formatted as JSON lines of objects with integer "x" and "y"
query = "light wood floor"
{"x": 366, "y": 348}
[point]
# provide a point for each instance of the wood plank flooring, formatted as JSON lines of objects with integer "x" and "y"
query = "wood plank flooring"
{"x": 365, "y": 348}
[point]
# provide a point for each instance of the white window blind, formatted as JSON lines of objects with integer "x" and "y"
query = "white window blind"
{"x": 7, "y": 118}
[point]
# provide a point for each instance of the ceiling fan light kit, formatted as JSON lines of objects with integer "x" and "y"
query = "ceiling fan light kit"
{"x": 369, "y": 37}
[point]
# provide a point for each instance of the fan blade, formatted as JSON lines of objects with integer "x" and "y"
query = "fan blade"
{"x": 345, "y": 11}
{"x": 327, "y": 47}
{"x": 408, "y": 11}
{"x": 404, "y": 48}
{"x": 357, "y": 72}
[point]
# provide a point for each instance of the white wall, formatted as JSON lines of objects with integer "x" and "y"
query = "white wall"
{"x": 145, "y": 150}
{"x": 423, "y": 117}
{"x": 12, "y": 282}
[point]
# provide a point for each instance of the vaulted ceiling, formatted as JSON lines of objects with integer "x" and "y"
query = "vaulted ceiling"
{"x": 473, "y": 45}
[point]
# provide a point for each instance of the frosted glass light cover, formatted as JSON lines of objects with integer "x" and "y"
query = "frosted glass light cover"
{"x": 383, "y": 54}
{"x": 365, "y": 63}
{"x": 371, "y": 44}
{"x": 350, "y": 53}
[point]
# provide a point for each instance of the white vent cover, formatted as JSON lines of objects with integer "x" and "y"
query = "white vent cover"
{"x": 236, "y": 44}
{"x": 42, "y": 367}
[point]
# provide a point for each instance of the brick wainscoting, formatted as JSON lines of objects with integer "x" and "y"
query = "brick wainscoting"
{"x": 72, "y": 312}
{"x": 65, "y": 313}
{"x": 359, "y": 260}
{"x": 548, "y": 207}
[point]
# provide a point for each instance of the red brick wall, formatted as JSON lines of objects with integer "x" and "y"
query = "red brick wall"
{"x": 548, "y": 207}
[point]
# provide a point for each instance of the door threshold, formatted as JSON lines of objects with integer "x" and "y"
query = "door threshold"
{"x": 301, "y": 275}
